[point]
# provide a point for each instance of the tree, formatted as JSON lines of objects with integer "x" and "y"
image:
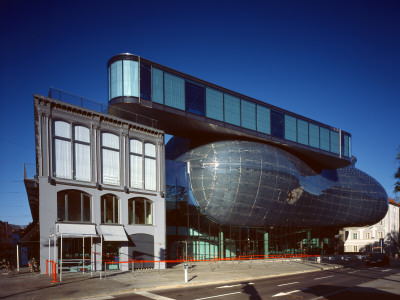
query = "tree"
{"x": 397, "y": 176}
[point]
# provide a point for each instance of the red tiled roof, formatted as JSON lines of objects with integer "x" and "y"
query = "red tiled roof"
{"x": 391, "y": 201}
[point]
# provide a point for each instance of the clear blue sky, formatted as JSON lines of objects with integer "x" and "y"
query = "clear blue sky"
{"x": 337, "y": 62}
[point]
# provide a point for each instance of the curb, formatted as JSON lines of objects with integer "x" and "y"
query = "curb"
{"x": 204, "y": 283}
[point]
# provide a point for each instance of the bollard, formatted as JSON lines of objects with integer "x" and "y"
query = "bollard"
{"x": 186, "y": 275}
{"x": 105, "y": 270}
{"x": 54, "y": 267}
{"x": 47, "y": 262}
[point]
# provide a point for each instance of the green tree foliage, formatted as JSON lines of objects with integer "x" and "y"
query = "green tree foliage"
{"x": 397, "y": 176}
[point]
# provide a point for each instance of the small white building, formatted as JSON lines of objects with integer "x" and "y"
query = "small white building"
{"x": 369, "y": 238}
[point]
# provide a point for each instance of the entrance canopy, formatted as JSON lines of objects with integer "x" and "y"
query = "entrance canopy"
{"x": 76, "y": 230}
{"x": 113, "y": 233}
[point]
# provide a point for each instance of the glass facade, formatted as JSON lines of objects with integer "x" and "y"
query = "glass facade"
{"x": 177, "y": 91}
{"x": 192, "y": 234}
{"x": 246, "y": 183}
{"x": 124, "y": 78}
{"x": 158, "y": 85}
{"x": 277, "y": 124}
{"x": 302, "y": 132}
{"x": 195, "y": 98}
{"x": 263, "y": 119}
{"x": 248, "y": 111}
{"x": 232, "y": 109}
{"x": 290, "y": 128}
{"x": 174, "y": 88}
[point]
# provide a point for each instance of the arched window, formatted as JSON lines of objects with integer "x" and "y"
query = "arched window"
{"x": 71, "y": 151}
{"x": 143, "y": 171}
{"x": 73, "y": 206}
{"x": 110, "y": 158}
{"x": 140, "y": 211}
{"x": 109, "y": 209}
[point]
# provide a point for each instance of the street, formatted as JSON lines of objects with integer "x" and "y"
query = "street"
{"x": 348, "y": 283}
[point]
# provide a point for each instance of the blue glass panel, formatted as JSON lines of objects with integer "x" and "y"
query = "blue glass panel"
{"x": 290, "y": 128}
{"x": 248, "y": 115}
{"x": 302, "y": 132}
{"x": 131, "y": 78}
{"x": 263, "y": 119}
{"x": 145, "y": 81}
{"x": 116, "y": 79}
{"x": 314, "y": 135}
{"x": 324, "y": 138}
{"x": 194, "y": 98}
{"x": 158, "y": 85}
{"x": 277, "y": 124}
{"x": 349, "y": 146}
{"x": 345, "y": 145}
{"x": 335, "y": 142}
{"x": 232, "y": 109}
{"x": 214, "y": 104}
{"x": 109, "y": 83}
{"x": 174, "y": 91}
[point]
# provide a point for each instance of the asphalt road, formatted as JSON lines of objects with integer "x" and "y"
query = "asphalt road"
{"x": 347, "y": 283}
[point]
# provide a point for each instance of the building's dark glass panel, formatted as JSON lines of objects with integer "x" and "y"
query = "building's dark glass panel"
{"x": 145, "y": 81}
{"x": 277, "y": 124}
{"x": 194, "y": 98}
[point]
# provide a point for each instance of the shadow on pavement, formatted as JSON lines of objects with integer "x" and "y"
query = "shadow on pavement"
{"x": 332, "y": 292}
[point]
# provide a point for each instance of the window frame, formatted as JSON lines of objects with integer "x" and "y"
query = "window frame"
{"x": 73, "y": 154}
{"x": 66, "y": 206}
{"x": 116, "y": 212}
{"x": 143, "y": 157}
{"x": 132, "y": 211}
{"x": 102, "y": 147}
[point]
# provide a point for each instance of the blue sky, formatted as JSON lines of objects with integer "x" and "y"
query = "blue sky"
{"x": 336, "y": 62}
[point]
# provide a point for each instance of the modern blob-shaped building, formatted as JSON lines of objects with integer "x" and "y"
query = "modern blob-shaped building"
{"x": 243, "y": 176}
{"x": 252, "y": 184}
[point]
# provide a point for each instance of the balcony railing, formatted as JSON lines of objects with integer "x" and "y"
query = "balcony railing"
{"x": 100, "y": 107}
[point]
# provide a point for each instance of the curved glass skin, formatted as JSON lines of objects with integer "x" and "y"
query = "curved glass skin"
{"x": 252, "y": 184}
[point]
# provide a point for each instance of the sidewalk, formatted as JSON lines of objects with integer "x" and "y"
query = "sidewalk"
{"x": 77, "y": 285}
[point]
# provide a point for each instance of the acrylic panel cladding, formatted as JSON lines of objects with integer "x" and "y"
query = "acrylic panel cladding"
{"x": 253, "y": 184}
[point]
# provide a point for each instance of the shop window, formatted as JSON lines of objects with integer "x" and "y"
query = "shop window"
{"x": 73, "y": 206}
{"x": 140, "y": 211}
{"x": 109, "y": 209}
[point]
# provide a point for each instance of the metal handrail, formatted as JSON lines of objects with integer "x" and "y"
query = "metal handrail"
{"x": 84, "y": 102}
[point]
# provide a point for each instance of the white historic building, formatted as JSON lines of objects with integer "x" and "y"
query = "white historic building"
{"x": 369, "y": 238}
{"x": 99, "y": 190}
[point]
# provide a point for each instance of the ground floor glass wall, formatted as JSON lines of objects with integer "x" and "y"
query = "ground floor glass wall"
{"x": 191, "y": 234}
